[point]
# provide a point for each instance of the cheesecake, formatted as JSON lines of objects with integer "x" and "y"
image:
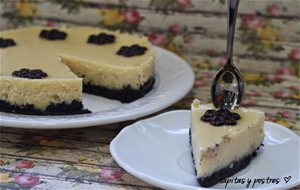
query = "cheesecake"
{"x": 223, "y": 142}
{"x": 45, "y": 70}
{"x": 57, "y": 93}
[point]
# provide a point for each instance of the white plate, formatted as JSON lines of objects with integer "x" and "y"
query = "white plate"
{"x": 157, "y": 150}
{"x": 174, "y": 79}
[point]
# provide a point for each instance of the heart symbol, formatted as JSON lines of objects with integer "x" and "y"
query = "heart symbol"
{"x": 287, "y": 179}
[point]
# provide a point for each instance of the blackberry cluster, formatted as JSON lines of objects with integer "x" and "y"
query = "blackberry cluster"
{"x": 53, "y": 34}
{"x": 101, "y": 39}
{"x": 4, "y": 43}
{"x": 130, "y": 51}
{"x": 30, "y": 74}
{"x": 220, "y": 117}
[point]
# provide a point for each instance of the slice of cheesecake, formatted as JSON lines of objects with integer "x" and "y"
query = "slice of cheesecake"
{"x": 45, "y": 87}
{"x": 223, "y": 142}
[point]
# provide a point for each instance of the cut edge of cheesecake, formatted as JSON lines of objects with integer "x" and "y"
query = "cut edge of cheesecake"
{"x": 220, "y": 152}
{"x": 41, "y": 96}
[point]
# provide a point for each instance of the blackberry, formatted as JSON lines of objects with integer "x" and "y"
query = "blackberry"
{"x": 235, "y": 116}
{"x": 53, "y": 34}
{"x": 30, "y": 74}
{"x": 216, "y": 121}
{"x": 210, "y": 111}
{"x": 110, "y": 39}
{"x": 4, "y": 43}
{"x": 101, "y": 39}
{"x": 130, "y": 51}
{"x": 228, "y": 77}
{"x": 223, "y": 112}
{"x": 44, "y": 33}
{"x": 123, "y": 50}
{"x": 58, "y": 35}
{"x": 230, "y": 122}
{"x": 139, "y": 50}
{"x": 227, "y": 117}
{"x": 92, "y": 39}
{"x": 205, "y": 118}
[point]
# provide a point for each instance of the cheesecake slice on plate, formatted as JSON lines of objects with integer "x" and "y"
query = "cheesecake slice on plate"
{"x": 223, "y": 142}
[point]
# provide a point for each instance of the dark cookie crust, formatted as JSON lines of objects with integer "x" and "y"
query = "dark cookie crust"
{"x": 75, "y": 107}
{"x": 125, "y": 95}
{"x": 226, "y": 172}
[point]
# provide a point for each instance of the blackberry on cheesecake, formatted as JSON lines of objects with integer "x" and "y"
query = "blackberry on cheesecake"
{"x": 223, "y": 142}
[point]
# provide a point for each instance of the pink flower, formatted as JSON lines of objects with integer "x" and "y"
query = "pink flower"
{"x": 283, "y": 94}
{"x": 286, "y": 114}
{"x": 253, "y": 93}
{"x": 274, "y": 9}
{"x": 184, "y": 3}
{"x": 273, "y": 78}
{"x": 295, "y": 87}
{"x": 211, "y": 51}
{"x": 206, "y": 75}
{"x": 1, "y": 163}
{"x": 200, "y": 83}
{"x": 285, "y": 71}
{"x": 110, "y": 174}
{"x": 222, "y": 61}
{"x": 27, "y": 180}
{"x": 295, "y": 54}
{"x": 24, "y": 164}
{"x": 270, "y": 118}
{"x": 175, "y": 28}
{"x": 252, "y": 22}
{"x": 249, "y": 102}
{"x": 189, "y": 39}
{"x": 132, "y": 16}
{"x": 50, "y": 23}
{"x": 157, "y": 39}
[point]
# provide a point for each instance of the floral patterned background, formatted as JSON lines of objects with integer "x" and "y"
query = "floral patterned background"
{"x": 266, "y": 50}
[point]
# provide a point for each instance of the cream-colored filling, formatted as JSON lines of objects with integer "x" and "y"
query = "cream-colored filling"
{"x": 40, "y": 93}
{"x": 216, "y": 147}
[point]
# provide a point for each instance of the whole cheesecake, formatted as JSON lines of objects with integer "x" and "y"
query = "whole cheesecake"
{"x": 45, "y": 70}
{"x": 223, "y": 142}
